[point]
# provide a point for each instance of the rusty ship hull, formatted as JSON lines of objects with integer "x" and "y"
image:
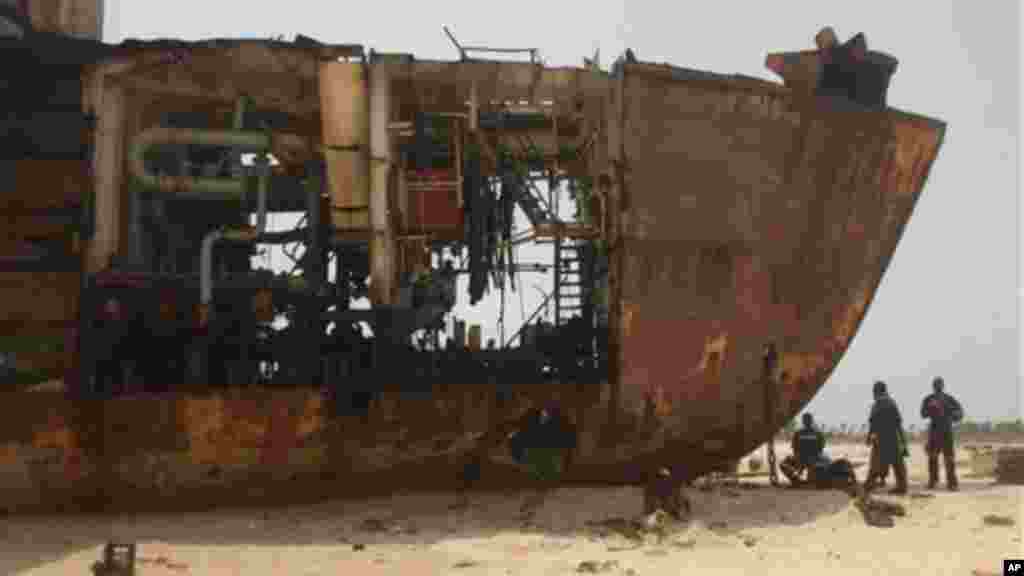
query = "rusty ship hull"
{"x": 738, "y": 214}
{"x": 746, "y": 216}
{"x": 750, "y": 216}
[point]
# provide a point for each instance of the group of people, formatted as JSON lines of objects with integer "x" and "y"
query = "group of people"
{"x": 887, "y": 441}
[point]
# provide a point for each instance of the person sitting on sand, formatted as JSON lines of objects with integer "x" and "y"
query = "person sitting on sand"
{"x": 808, "y": 456}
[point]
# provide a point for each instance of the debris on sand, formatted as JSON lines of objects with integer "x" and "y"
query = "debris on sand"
{"x": 465, "y": 564}
{"x": 658, "y": 524}
{"x": 378, "y": 525}
{"x": 629, "y": 529}
{"x": 879, "y": 513}
{"x": 164, "y": 562}
{"x": 718, "y": 525}
{"x": 595, "y": 567}
{"x": 1009, "y": 467}
{"x": 687, "y": 544}
{"x": 995, "y": 520}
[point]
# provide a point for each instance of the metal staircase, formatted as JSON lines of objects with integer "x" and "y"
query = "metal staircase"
{"x": 536, "y": 209}
{"x": 569, "y": 294}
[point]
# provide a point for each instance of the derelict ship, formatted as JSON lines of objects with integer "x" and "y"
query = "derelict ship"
{"x": 729, "y": 235}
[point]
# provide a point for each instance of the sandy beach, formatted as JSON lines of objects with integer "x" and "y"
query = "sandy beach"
{"x": 734, "y": 529}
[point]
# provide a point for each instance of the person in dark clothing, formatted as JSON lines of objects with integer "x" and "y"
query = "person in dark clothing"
{"x": 886, "y": 435}
{"x": 809, "y": 443}
{"x": 544, "y": 444}
{"x": 665, "y": 492}
{"x": 943, "y": 410}
{"x": 808, "y": 456}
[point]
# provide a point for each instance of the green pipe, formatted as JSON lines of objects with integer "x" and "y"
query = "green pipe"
{"x": 187, "y": 186}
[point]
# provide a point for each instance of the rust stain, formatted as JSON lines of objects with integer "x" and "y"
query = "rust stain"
{"x": 659, "y": 402}
{"x": 753, "y": 288}
{"x": 915, "y": 148}
{"x": 855, "y": 230}
{"x": 312, "y": 417}
{"x": 846, "y": 324}
{"x": 714, "y": 353}
{"x": 8, "y": 454}
{"x": 702, "y": 380}
{"x": 628, "y": 310}
{"x": 56, "y": 434}
{"x": 281, "y": 436}
{"x": 204, "y": 420}
{"x": 800, "y": 369}
{"x": 244, "y": 426}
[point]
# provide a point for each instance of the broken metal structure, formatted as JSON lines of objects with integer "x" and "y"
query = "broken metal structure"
{"x": 719, "y": 217}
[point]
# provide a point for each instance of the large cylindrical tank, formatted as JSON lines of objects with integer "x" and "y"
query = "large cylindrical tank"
{"x": 346, "y": 133}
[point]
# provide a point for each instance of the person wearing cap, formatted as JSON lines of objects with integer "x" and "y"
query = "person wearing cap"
{"x": 943, "y": 411}
{"x": 886, "y": 436}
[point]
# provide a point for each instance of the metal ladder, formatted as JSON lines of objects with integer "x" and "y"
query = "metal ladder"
{"x": 568, "y": 279}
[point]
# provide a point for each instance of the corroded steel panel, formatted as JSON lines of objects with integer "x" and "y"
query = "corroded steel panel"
{"x": 750, "y": 217}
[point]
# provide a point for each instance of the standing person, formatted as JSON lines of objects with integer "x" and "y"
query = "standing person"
{"x": 545, "y": 445}
{"x": 886, "y": 435}
{"x": 943, "y": 410}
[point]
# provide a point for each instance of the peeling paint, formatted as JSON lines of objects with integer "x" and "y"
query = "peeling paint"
{"x": 628, "y": 310}
{"x": 312, "y": 417}
{"x": 8, "y": 454}
{"x": 846, "y": 325}
{"x": 714, "y": 353}
{"x": 204, "y": 419}
{"x": 801, "y": 368}
{"x": 660, "y": 402}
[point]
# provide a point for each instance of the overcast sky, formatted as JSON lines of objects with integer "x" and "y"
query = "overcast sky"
{"x": 948, "y": 304}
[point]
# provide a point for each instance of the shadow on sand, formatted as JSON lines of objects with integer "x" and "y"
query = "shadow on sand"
{"x": 414, "y": 519}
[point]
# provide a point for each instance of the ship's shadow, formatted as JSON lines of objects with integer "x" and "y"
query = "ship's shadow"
{"x": 414, "y": 519}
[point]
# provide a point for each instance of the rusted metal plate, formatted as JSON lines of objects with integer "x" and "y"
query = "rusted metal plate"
{"x": 751, "y": 217}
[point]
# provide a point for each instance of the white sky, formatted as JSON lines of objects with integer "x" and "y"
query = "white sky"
{"x": 948, "y": 303}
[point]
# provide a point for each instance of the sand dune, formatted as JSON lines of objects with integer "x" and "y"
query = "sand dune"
{"x": 734, "y": 530}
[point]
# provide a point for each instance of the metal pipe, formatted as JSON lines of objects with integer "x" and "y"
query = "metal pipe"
{"x": 187, "y": 186}
{"x": 206, "y": 266}
{"x": 243, "y": 235}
